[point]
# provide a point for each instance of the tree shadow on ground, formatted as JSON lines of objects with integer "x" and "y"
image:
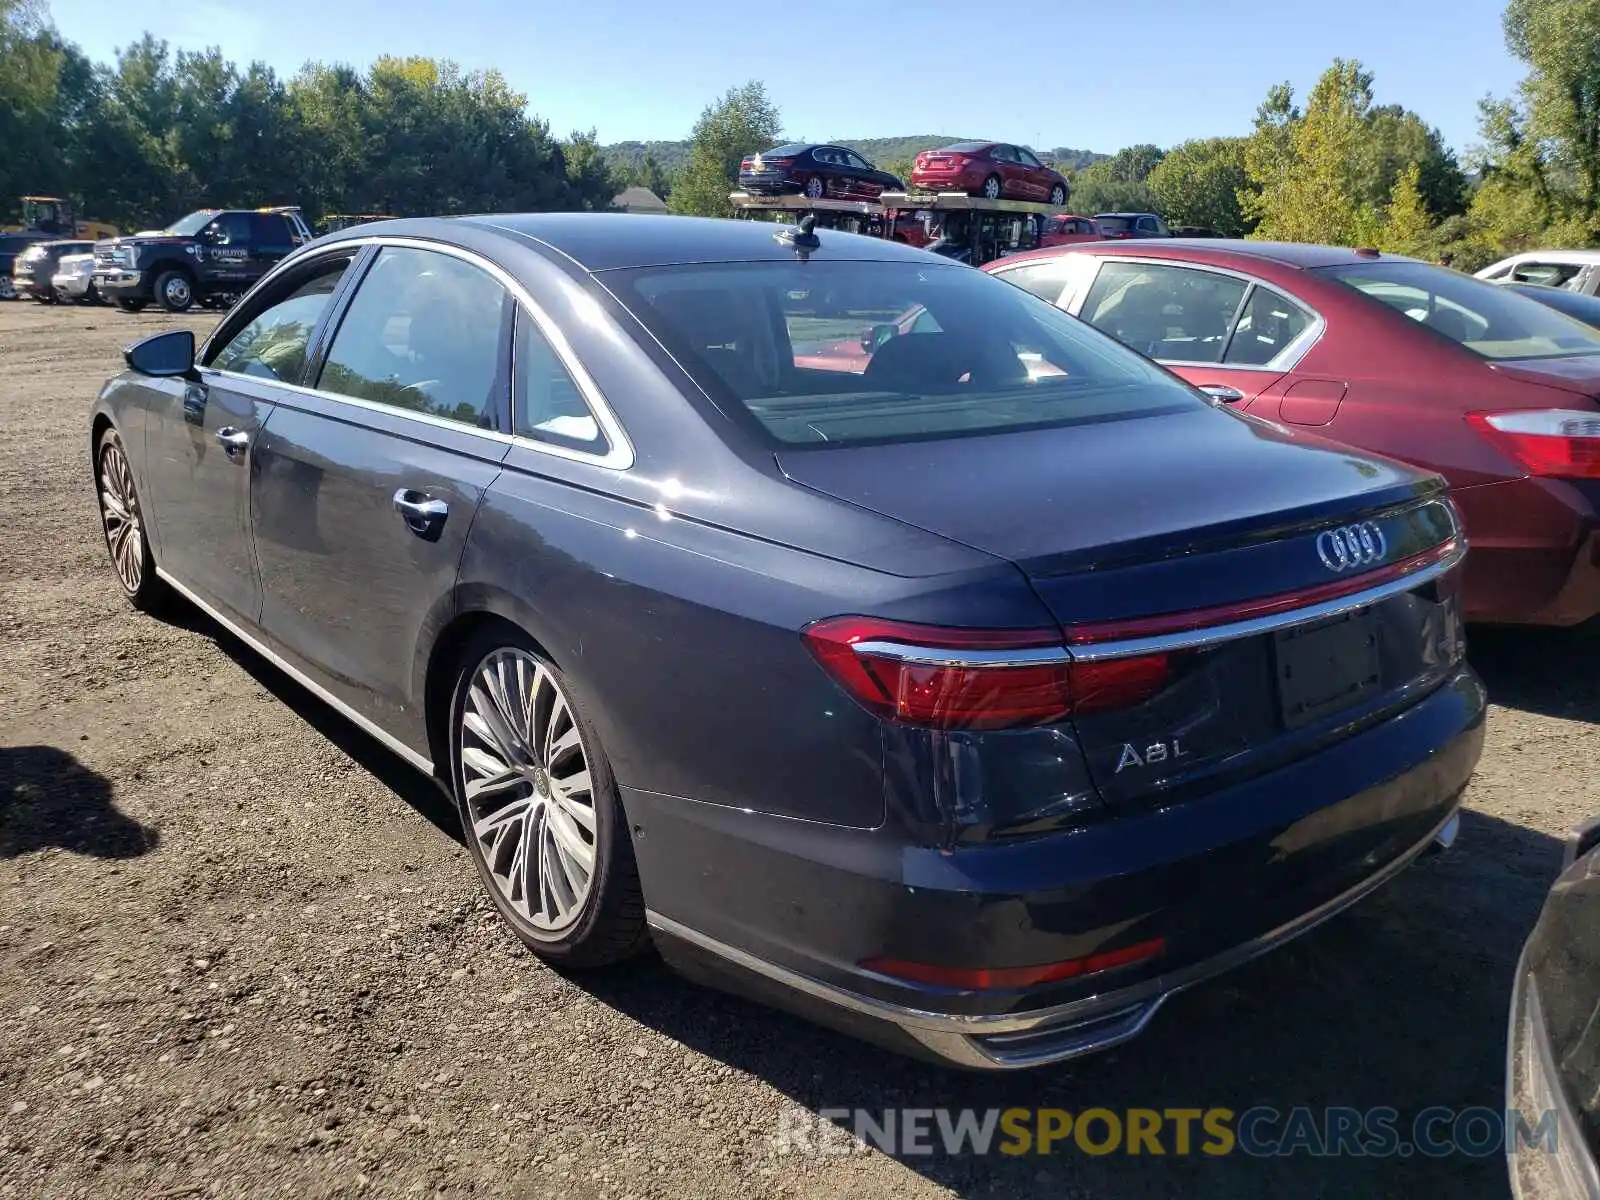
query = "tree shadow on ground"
{"x": 48, "y": 798}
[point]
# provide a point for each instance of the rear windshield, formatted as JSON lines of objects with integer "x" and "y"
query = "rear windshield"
{"x": 1114, "y": 224}
{"x": 784, "y": 151}
{"x": 1491, "y": 321}
{"x": 830, "y": 353}
{"x": 963, "y": 147}
{"x": 1574, "y": 304}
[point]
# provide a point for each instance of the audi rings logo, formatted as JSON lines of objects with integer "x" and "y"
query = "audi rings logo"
{"x": 1351, "y": 546}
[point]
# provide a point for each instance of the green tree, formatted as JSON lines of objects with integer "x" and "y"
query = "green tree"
{"x": 1559, "y": 40}
{"x": 1096, "y": 189}
{"x": 1407, "y": 227}
{"x": 594, "y": 184}
{"x": 1398, "y": 138}
{"x": 30, "y": 64}
{"x": 1198, "y": 183}
{"x": 649, "y": 173}
{"x": 1309, "y": 187}
{"x": 744, "y": 121}
{"x": 1132, "y": 164}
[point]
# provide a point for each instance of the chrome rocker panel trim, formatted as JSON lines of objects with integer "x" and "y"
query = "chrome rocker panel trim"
{"x": 1015, "y": 1041}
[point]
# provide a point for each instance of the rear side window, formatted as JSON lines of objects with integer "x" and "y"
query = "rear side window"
{"x": 1547, "y": 273}
{"x": 1269, "y": 324}
{"x": 548, "y": 406}
{"x": 272, "y": 345}
{"x": 271, "y": 229}
{"x": 1173, "y": 313}
{"x": 838, "y": 353}
{"x": 425, "y": 332}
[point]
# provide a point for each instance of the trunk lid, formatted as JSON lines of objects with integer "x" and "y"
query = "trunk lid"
{"x": 1577, "y": 373}
{"x": 1210, "y": 540}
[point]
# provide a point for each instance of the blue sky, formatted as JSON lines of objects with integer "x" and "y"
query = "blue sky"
{"x": 1092, "y": 76}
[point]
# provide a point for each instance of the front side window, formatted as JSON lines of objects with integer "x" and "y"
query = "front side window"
{"x": 1269, "y": 324}
{"x": 230, "y": 229}
{"x": 425, "y": 333}
{"x": 273, "y": 344}
{"x": 1174, "y": 313}
{"x": 1493, "y": 322}
{"x": 826, "y": 353}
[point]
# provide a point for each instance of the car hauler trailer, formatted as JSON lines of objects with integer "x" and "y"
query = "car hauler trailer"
{"x": 969, "y": 229}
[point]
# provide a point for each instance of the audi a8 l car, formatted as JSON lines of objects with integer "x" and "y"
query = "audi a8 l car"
{"x": 1495, "y": 392}
{"x": 972, "y": 695}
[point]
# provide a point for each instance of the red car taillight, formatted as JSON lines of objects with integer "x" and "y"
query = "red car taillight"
{"x": 744, "y": 164}
{"x": 945, "y": 678}
{"x": 990, "y": 978}
{"x": 1559, "y": 443}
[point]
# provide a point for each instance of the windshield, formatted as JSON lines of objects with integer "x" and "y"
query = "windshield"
{"x": 1493, "y": 322}
{"x": 831, "y": 353}
{"x": 193, "y": 223}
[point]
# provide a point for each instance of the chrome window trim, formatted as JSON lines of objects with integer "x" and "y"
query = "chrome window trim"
{"x": 420, "y": 761}
{"x": 1187, "y": 639}
{"x": 1286, "y": 359}
{"x": 620, "y": 454}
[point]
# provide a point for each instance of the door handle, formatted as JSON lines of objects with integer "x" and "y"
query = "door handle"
{"x": 1222, "y": 392}
{"x": 234, "y": 441}
{"x": 423, "y": 515}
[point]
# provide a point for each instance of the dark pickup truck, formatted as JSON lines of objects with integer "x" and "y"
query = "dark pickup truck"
{"x": 209, "y": 257}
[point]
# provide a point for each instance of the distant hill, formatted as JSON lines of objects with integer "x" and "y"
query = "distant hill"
{"x": 673, "y": 155}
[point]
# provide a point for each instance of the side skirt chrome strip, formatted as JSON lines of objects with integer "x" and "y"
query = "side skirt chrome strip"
{"x": 420, "y": 761}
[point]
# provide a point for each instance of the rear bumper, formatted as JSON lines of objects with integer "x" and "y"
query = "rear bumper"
{"x": 953, "y": 181}
{"x": 788, "y": 914}
{"x": 1535, "y": 551}
{"x": 772, "y": 183}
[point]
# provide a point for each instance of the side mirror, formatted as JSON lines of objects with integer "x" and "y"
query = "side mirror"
{"x": 876, "y": 336}
{"x": 164, "y": 355}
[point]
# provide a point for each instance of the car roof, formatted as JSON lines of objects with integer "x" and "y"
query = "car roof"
{"x": 1221, "y": 251}
{"x": 610, "y": 241}
{"x": 1555, "y": 256}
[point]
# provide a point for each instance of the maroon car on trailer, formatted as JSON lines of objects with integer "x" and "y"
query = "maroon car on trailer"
{"x": 993, "y": 170}
{"x": 1491, "y": 389}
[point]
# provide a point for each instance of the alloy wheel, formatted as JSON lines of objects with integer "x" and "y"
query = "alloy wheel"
{"x": 991, "y": 188}
{"x": 527, "y": 790}
{"x": 119, "y": 514}
{"x": 815, "y": 187}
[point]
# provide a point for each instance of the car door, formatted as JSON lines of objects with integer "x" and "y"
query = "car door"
{"x": 1033, "y": 174}
{"x": 368, "y": 481}
{"x": 1185, "y": 318}
{"x": 865, "y": 180}
{"x": 201, "y": 436}
{"x": 228, "y": 258}
{"x": 1013, "y": 176}
{"x": 272, "y": 240}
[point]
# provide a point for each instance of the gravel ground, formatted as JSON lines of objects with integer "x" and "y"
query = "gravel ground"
{"x": 243, "y": 954}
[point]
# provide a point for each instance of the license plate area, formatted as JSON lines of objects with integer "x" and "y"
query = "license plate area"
{"x": 1328, "y": 666}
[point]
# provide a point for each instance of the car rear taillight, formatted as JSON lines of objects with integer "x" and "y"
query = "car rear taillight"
{"x": 1559, "y": 443}
{"x": 744, "y": 164}
{"x": 968, "y": 979}
{"x": 944, "y": 678}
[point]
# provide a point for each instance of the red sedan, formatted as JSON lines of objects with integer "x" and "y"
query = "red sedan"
{"x": 1063, "y": 231}
{"x": 1496, "y": 392}
{"x": 994, "y": 170}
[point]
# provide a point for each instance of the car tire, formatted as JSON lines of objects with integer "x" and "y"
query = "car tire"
{"x": 594, "y": 923}
{"x": 991, "y": 188}
{"x": 122, "y": 523}
{"x": 175, "y": 291}
{"x": 816, "y": 187}
{"x": 43, "y": 298}
{"x": 8, "y": 290}
{"x": 131, "y": 304}
{"x": 1058, "y": 195}
{"x": 93, "y": 296}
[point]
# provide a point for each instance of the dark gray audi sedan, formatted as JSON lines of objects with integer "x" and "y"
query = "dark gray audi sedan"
{"x": 864, "y": 631}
